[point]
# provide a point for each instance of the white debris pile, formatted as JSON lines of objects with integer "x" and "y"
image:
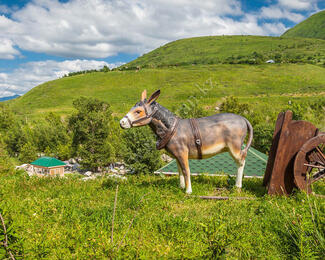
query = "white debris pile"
{"x": 27, "y": 168}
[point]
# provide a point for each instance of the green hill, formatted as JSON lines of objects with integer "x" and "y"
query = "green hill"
{"x": 313, "y": 27}
{"x": 267, "y": 87}
{"x": 233, "y": 50}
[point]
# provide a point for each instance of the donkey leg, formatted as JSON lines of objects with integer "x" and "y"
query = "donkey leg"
{"x": 181, "y": 176}
{"x": 240, "y": 174}
{"x": 183, "y": 163}
{"x": 237, "y": 155}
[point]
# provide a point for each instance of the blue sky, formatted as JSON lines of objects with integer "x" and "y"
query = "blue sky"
{"x": 41, "y": 40}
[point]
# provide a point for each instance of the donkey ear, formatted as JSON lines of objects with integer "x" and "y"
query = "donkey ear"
{"x": 154, "y": 96}
{"x": 144, "y": 95}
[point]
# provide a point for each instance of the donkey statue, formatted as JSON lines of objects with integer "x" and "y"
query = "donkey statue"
{"x": 194, "y": 138}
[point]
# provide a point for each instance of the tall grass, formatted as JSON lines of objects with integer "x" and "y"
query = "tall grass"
{"x": 68, "y": 218}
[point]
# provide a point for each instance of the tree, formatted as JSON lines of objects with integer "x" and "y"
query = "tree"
{"x": 141, "y": 154}
{"x": 93, "y": 138}
{"x": 50, "y": 134}
{"x": 105, "y": 69}
{"x": 28, "y": 153}
{"x": 5, "y": 164}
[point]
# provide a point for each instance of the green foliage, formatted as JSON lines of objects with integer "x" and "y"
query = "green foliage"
{"x": 263, "y": 130}
{"x": 232, "y": 105}
{"x": 141, "y": 154}
{"x": 50, "y": 135}
{"x": 7, "y": 118}
{"x": 28, "y": 153}
{"x": 231, "y": 50}
{"x": 189, "y": 110}
{"x": 104, "y": 69}
{"x": 266, "y": 87}
{"x": 25, "y": 139}
{"x": 68, "y": 218}
{"x": 93, "y": 137}
{"x": 13, "y": 241}
{"x": 6, "y": 166}
{"x": 312, "y": 27}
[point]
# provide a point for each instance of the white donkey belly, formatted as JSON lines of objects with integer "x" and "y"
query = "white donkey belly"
{"x": 210, "y": 151}
{"x": 213, "y": 150}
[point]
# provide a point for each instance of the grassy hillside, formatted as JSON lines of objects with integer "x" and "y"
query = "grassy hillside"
{"x": 233, "y": 50}
{"x": 313, "y": 27}
{"x": 268, "y": 86}
{"x": 56, "y": 218}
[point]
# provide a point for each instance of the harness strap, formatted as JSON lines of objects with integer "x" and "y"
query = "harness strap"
{"x": 143, "y": 118}
{"x": 164, "y": 141}
{"x": 197, "y": 136}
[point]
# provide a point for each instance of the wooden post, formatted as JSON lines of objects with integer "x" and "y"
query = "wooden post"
{"x": 289, "y": 136}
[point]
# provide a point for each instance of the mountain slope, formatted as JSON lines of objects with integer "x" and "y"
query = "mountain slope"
{"x": 312, "y": 27}
{"x": 233, "y": 50}
{"x": 267, "y": 87}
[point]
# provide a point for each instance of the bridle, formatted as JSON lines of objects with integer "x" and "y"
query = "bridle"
{"x": 147, "y": 116}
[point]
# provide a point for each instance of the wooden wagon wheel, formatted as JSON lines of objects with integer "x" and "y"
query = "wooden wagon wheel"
{"x": 309, "y": 165}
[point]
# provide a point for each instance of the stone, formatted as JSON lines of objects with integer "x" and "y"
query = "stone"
{"x": 88, "y": 173}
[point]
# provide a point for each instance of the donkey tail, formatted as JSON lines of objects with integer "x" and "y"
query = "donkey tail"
{"x": 250, "y": 139}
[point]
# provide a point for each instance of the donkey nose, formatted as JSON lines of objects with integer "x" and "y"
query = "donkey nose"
{"x": 124, "y": 123}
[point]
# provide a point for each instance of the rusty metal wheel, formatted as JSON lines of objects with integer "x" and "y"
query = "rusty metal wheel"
{"x": 309, "y": 165}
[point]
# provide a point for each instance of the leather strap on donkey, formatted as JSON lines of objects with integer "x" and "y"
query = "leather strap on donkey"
{"x": 197, "y": 136}
{"x": 164, "y": 141}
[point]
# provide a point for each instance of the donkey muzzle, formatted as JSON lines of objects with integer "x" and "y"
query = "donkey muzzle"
{"x": 125, "y": 123}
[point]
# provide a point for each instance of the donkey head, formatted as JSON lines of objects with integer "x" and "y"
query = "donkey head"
{"x": 142, "y": 112}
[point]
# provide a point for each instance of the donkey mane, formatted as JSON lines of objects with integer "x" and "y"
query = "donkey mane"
{"x": 163, "y": 120}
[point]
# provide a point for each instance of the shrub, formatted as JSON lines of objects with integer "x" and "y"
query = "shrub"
{"x": 95, "y": 137}
{"x": 141, "y": 154}
{"x": 5, "y": 163}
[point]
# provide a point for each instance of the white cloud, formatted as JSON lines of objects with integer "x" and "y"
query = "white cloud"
{"x": 276, "y": 12}
{"x": 32, "y": 74}
{"x": 305, "y": 5}
{"x": 7, "y": 50}
{"x": 102, "y": 28}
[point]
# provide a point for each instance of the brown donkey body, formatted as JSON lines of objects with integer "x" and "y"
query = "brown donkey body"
{"x": 192, "y": 139}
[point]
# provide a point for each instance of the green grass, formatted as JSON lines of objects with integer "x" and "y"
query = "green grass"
{"x": 233, "y": 49}
{"x": 54, "y": 218}
{"x": 313, "y": 27}
{"x": 268, "y": 86}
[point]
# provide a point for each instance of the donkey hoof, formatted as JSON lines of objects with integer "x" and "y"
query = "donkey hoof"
{"x": 188, "y": 192}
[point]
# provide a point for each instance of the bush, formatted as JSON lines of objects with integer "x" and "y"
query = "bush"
{"x": 28, "y": 153}
{"x": 95, "y": 137}
{"x": 263, "y": 134}
{"x": 5, "y": 163}
{"x": 141, "y": 154}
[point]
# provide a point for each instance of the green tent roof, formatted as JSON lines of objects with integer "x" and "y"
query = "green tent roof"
{"x": 48, "y": 162}
{"x": 223, "y": 163}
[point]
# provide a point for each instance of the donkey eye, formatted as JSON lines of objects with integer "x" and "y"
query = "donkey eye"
{"x": 138, "y": 111}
